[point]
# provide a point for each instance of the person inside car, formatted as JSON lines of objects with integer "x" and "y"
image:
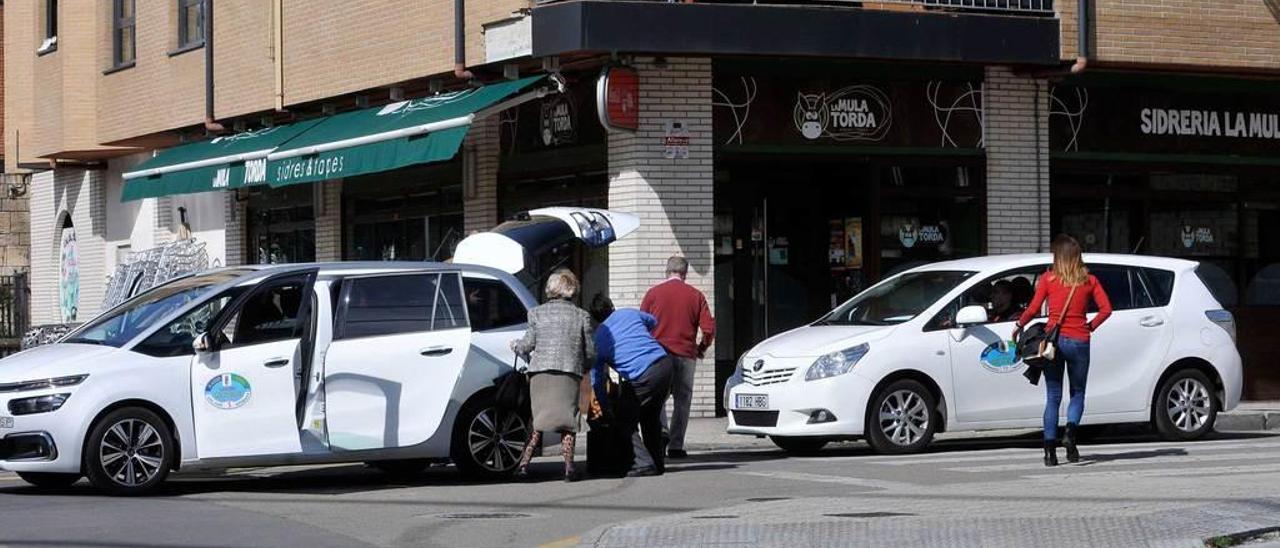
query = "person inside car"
{"x": 1004, "y": 308}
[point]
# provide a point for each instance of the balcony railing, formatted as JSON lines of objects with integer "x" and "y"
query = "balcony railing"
{"x": 1020, "y": 7}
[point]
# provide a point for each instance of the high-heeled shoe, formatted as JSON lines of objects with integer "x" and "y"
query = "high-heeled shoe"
{"x": 1069, "y": 443}
{"x": 1050, "y": 453}
{"x": 522, "y": 474}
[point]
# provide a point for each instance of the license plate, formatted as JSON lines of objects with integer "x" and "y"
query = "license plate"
{"x": 6, "y": 422}
{"x": 752, "y": 401}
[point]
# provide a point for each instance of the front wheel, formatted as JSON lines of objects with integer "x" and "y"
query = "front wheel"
{"x": 129, "y": 452}
{"x": 901, "y": 418}
{"x": 49, "y": 480}
{"x": 488, "y": 440}
{"x": 799, "y": 446}
{"x": 1185, "y": 408}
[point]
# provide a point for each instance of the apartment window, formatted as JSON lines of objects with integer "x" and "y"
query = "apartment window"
{"x": 123, "y": 33}
{"x": 190, "y": 23}
{"x": 50, "y": 42}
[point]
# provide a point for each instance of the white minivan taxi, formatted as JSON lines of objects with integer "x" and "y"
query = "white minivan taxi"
{"x": 918, "y": 354}
{"x": 387, "y": 363}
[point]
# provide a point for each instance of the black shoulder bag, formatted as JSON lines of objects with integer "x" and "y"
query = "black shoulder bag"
{"x": 512, "y": 392}
{"x": 1038, "y": 346}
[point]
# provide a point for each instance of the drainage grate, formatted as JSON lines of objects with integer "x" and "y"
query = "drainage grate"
{"x": 485, "y": 515}
{"x": 868, "y": 515}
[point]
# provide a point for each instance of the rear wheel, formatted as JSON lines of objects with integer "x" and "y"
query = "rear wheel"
{"x": 129, "y": 452}
{"x": 1185, "y": 408}
{"x": 487, "y": 439}
{"x": 799, "y": 445}
{"x": 49, "y": 480}
{"x": 901, "y": 418}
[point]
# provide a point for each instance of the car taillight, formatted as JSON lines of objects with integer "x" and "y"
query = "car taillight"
{"x": 1223, "y": 319}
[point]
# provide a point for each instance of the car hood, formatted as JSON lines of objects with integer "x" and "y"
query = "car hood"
{"x": 816, "y": 340}
{"x": 53, "y": 360}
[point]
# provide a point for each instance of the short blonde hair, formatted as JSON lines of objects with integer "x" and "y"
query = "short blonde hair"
{"x": 562, "y": 284}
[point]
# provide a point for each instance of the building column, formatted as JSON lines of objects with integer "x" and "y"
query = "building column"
{"x": 480, "y": 195}
{"x": 237, "y": 220}
{"x": 1016, "y": 110}
{"x": 328, "y": 209}
{"x": 672, "y": 196}
{"x": 80, "y": 196}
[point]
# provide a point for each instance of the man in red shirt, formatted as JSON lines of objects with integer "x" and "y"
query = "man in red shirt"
{"x": 682, "y": 313}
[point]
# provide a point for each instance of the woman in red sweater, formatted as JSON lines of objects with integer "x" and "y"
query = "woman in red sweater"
{"x": 1067, "y": 280}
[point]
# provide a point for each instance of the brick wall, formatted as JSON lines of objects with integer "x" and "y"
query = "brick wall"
{"x": 1017, "y": 185}
{"x": 235, "y": 234}
{"x": 673, "y": 197}
{"x": 481, "y": 212}
{"x": 1219, "y": 33}
{"x": 328, "y": 208}
{"x": 2, "y": 134}
{"x": 15, "y": 234}
{"x": 79, "y": 194}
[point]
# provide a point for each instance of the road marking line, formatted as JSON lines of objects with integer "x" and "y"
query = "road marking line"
{"x": 13, "y": 478}
{"x": 1092, "y": 449}
{"x": 1157, "y": 472}
{"x": 842, "y": 480}
{"x": 562, "y": 543}
{"x": 1135, "y": 461}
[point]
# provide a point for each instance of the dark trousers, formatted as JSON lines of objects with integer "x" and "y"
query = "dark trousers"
{"x": 647, "y": 396}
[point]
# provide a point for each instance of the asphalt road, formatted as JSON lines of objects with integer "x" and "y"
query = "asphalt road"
{"x": 986, "y": 491}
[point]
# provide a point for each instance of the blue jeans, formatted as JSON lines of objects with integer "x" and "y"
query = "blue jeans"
{"x": 1074, "y": 355}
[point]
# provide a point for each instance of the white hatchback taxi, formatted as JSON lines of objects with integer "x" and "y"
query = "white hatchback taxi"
{"x": 918, "y": 354}
{"x": 387, "y": 363}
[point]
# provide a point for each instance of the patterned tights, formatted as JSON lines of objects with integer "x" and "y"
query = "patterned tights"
{"x": 567, "y": 441}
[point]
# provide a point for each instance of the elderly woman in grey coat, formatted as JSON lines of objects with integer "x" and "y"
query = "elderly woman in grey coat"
{"x": 560, "y": 348}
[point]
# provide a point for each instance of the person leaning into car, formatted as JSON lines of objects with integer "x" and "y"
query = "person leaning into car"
{"x": 1067, "y": 284}
{"x": 559, "y": 346}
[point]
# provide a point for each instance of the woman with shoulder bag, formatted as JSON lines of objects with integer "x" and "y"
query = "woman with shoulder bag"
{"x": 1068, "y": 288}
{"x": 559, "y": 345}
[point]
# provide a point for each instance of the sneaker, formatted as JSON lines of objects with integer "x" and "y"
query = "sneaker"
{"x": 677, "y": 454}
{"x": 645, "y": 472}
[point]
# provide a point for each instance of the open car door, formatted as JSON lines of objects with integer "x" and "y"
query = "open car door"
{"x": 535, "y": 243}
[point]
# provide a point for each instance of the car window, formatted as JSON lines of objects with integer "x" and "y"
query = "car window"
{"x": 271, "y": 313}
{"x": 1004, "y": 296}
{"x": 175, "y": 339}
{"x": 1124, "y": 287}
{"x": 388, "y": 305}
{"x": 1159, "y": 284}
{"x": 450, "y": 312}
{"x": 897, "y": 300}
{"x": 139, "y": 314}
{"x": 492, "y": 305}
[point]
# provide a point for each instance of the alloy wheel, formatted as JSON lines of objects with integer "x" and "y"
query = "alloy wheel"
{"x": 1188, "y": 405}
{"x": 496, "y": 439}
{"x": 131, "y": 452}
{"x": 904, "y": 417}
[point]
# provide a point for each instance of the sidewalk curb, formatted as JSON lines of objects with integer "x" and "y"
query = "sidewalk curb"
{"x": 1248, "y": 421}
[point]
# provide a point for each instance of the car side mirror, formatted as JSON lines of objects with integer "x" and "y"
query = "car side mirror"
{"x": 203, "y": 343}
{"x": 971, "y": 315}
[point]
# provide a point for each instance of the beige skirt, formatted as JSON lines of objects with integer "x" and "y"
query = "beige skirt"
{"x": 554, "y": 398}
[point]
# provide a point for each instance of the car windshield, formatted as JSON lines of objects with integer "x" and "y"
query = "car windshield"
{"x": 140, "y": 313}
{"x": 897, "y": 300}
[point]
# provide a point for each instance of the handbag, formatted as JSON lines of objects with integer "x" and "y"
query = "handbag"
{"x": 512, "y": 392}
{"x": 1038, "y": 346}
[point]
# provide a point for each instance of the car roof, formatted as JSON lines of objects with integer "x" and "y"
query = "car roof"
{"x": 1017, "y": 260}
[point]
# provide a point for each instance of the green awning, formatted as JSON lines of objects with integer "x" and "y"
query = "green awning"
{"x": 375, "y": 139}
{"x": 215, "y": 164}
{"x": 400, "y": 134}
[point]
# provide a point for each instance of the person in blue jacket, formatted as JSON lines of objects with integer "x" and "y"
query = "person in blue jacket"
{"x": 624, "y": 341}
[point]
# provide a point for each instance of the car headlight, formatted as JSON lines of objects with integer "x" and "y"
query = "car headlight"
{"x": 734, "y": 380}
{"x": 38, "y": 404}
{"x": 836, "y": 363}
{"x": 41, "y": 384}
